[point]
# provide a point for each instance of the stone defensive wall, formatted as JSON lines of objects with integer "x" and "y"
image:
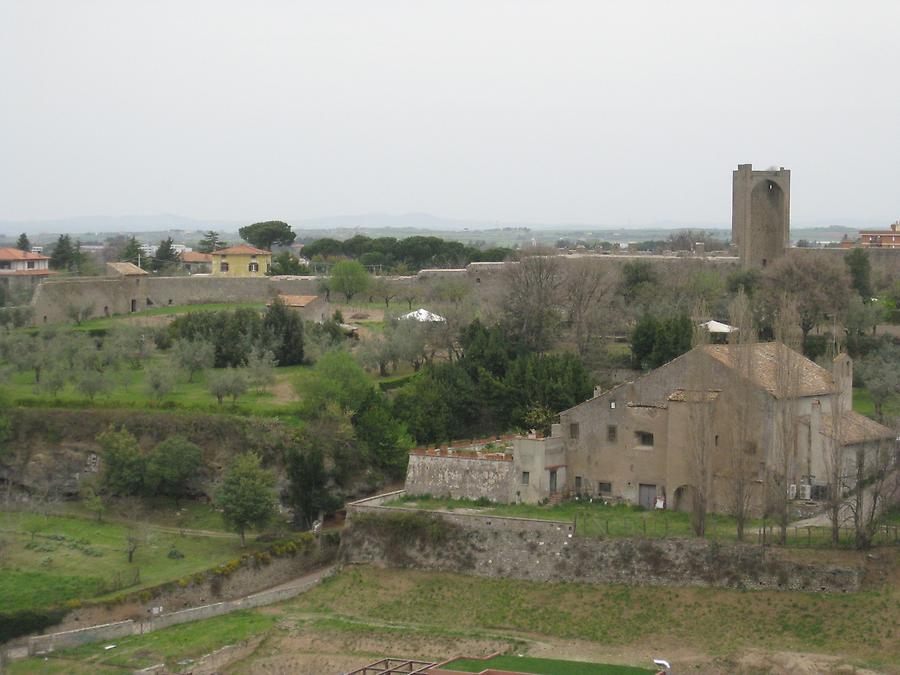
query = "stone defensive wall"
{"x": 552, "y": 551}
{"x": 104, "y": 296}
{"x": 54, "y": 299}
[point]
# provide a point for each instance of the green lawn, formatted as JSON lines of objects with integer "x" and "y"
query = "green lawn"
{"x": 103, "y": 323}
{"x": 368, "y": 613}
{"x": 129, "y": 390}
{"x": 71, "y": 558}
{"x": 170, "y": 646}
{"x": 159, "y": 511}
{"x": 864, "y": 626}
{"x": 595, "y": 519}
{"x": 526, "y": 664}
{"x": 862, "y": 403}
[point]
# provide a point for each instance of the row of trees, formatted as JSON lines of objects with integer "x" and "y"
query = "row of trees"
{"x": 410, "y": 254}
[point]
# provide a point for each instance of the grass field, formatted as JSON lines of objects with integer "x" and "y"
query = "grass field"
{"x": 595, "y": 519}
{"x": 103, "y": 323}
{"x": 364, "y": 613}
{"x": 862, "y": 403}
{"x": 170, "y": 646}
{"x": 525, "y": 664}
{"x": 159, "y": 511}
{"x": 47, "y": 560}
{"x": 129, "y": 390}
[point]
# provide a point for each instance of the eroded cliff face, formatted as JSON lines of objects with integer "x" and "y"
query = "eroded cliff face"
{"x": 51, "y": 452}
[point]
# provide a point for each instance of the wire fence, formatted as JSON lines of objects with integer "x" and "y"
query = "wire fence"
{"x": 665, "y": 525}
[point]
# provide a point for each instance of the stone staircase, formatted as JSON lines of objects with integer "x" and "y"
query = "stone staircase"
{"x": 557, "y": 498}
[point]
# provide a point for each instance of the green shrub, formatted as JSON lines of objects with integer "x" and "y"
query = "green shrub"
{"x": 26, "y": 621}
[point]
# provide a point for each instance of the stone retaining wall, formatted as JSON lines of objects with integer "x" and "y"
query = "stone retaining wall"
{"x": 471, "y": 477}
{"x": 42, "y": 644}
{"x": 540, "y": 550}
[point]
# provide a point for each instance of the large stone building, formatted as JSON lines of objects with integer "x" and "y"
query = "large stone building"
{"x": 760, "y": 214}
{"x": 639, "y": 442}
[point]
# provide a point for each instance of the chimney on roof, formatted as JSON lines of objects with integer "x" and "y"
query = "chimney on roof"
{"x": 815, "y": 422}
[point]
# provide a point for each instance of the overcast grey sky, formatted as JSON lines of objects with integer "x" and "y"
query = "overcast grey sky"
{"x": 600, "y": 112}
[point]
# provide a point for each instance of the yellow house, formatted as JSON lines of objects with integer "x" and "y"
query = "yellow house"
{"x": 241, "y": 261}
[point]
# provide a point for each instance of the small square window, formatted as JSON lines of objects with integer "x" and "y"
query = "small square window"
{"x": 526, "y": 476}
{"x": 573, "y": 430}
{"x": 612, "y": 433}
{"x": 643, "y": 438}
{"x": 604, "y": 488}
{"x": 223, "y": 266}
{"x": 253, "y": 267}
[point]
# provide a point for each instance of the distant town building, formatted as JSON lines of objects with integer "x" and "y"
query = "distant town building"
{"x": 310, "y": 307}
{"x": 241, "y": 261}
{"x": 24, "y": 263}
{"x": 124, "y": 269}
{"x": 881, "y": 238}
{"x": 194, "y": 262}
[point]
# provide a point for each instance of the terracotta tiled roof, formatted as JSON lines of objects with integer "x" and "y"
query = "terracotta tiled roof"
{"x": 298, "y": 300}
{"x": 241, "y": 249}
{"x": 17, "y": 254}
{"x": 126, "y": 269}
{"x": 34, "y": 273}
{"x": 855, "y": 428}
{"x": 768, "y": 359}
{"x": 195, "y": 257}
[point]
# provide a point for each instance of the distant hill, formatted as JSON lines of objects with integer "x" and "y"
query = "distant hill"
{"x": 186, "y": 230}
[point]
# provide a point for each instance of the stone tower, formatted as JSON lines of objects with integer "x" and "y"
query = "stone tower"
{"x": 760, "y": 214}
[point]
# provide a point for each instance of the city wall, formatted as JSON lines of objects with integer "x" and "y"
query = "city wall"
{"x": 550, "y": 551}
{"x": 54, "y": 299}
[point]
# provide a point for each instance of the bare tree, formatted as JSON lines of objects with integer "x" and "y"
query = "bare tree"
{"x": 817, "y": 286}
{"x": 532, "y": 301}
{"x": 835, "y": 458}
{"x": 743, "y": 413}
{"x": 701, "y": 435}
{"x": 137, "y": 532}
{"x": 782, "y": 467}
{"x": 877, "y": 485}
{"x": 586, "y": 287}
{"x": 384, "y": 289}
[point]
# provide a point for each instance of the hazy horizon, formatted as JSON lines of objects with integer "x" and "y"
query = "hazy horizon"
{"x": 565, "y": 114}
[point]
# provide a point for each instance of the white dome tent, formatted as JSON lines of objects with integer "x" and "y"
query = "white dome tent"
{"x": 423, "y": 315}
